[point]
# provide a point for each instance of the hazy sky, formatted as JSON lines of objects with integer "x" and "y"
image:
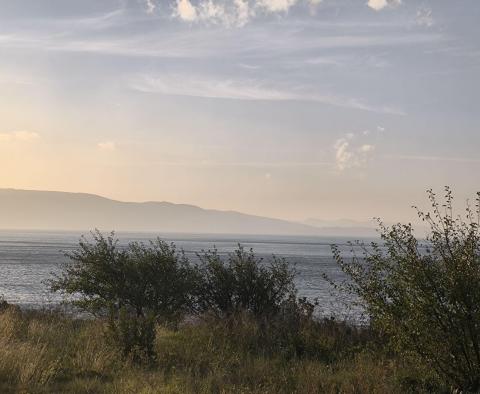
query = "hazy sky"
{"x": 285, "y": 108}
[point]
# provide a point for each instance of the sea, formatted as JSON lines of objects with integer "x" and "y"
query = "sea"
{"x": 29, "y": 258}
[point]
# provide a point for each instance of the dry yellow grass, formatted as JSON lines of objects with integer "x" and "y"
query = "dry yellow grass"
{"x": 44, "y": 352}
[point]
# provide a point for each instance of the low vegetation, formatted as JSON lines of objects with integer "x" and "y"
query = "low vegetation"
{"x": 45, "y": 352}
{"x": 425, "y": 297}
{"x": 235, "y": 324}
{"x": 243, "y": 284}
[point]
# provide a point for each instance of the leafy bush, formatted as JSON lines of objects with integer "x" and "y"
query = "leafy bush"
{"x": 243, "y": 283}
{"x": 101, "y": 276}
{"x": 130, "y": 285}
{"x": 134, "y": 334}
{"x": 426, "y": 298}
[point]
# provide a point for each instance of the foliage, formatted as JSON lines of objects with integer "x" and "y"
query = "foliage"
{"x": 48, "y": 352}
{"x": 131, "y": 285}
{"x": 146, "y": 279}
{"x": 243, "y": 283}
{"x": 291, "y": 334}
{"x": 426, "y": 298}
{"x": 134, "y": 334}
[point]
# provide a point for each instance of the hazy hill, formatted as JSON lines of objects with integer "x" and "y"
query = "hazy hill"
{"x": 45, "y": 210}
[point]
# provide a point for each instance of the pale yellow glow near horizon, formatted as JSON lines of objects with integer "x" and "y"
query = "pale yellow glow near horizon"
{"x": 169, "y": 167}
{"x": 118, "y": 172}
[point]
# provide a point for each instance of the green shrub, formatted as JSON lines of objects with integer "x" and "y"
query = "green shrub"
{"x": 243, "y": 283}
{"x": 426, "y": 298}
{"x": 134, "y": 334}
{"x": 131, "y": 285}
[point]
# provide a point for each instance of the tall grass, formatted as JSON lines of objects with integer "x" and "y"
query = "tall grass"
{"x": 44, "y": 352}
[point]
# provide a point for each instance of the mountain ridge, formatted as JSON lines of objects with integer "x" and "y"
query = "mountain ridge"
{"x": 23, "y": 209}
{"x": 45, "y": 210}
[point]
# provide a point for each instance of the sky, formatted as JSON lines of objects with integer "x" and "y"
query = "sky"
{"x": 292, "y": 109}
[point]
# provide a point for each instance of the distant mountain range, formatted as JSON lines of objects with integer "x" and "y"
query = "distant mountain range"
{"x": 47, "y": 210}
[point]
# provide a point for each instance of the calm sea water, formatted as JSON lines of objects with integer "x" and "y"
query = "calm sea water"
{"x": 27, "y": 259}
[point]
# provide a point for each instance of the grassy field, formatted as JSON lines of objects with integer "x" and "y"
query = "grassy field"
{"x": 44, "y": 352}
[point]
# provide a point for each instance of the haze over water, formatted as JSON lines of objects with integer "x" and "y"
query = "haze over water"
{"x": 27, "y": 259}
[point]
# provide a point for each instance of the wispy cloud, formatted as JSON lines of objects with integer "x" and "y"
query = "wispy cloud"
{"x": 95, "y": 22}
{"x": 473, "y": 160}
{"x": 15, "y": 78}
{"x": 197, "y": 86}
{"x": 233, "y": 13}
{"x": 352, "y": 151}
{"x": 186, "y": 11}
{"x": 245, "y": 164}
{"x": 181, "y": 85}
{"x": 424, "y": 17}
{"x": 22, "y": 136}
{"x": 264, "y": 41}
{"x": 150, "y": 6}
{"x": 107, "y": 146}
{"x": 276, "y": 5}
{"x": 379, "y": 5}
